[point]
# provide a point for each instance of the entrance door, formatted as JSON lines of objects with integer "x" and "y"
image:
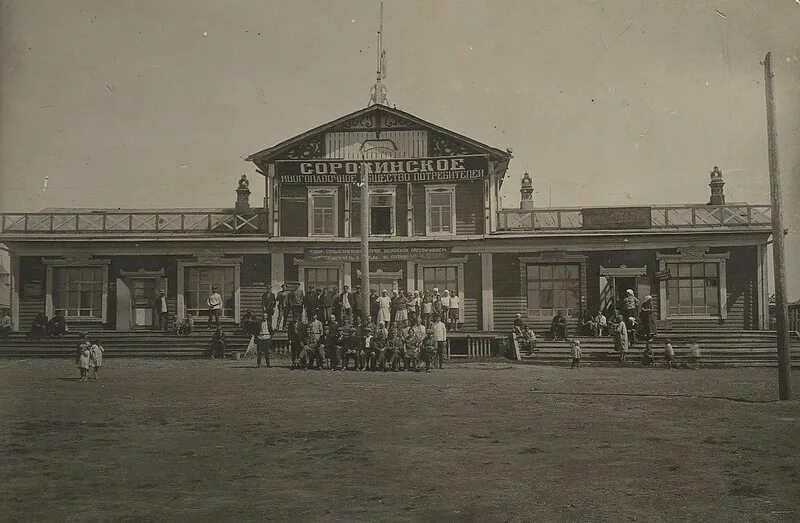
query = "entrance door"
{"x": 143, "y": 297}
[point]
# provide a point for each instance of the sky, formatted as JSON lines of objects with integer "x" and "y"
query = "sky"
{"x": 619, "y": 102}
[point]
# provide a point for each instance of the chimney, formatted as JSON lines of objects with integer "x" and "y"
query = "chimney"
{"x": 716, "y": 184}
{"x": 526, "y": 193}
{"x": 243, "y": 195}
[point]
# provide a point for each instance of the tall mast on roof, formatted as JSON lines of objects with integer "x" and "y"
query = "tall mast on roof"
{"x": 377, "y": 93}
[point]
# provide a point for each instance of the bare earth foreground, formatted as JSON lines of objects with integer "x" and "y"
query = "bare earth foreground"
{"x": 204, "y": 440}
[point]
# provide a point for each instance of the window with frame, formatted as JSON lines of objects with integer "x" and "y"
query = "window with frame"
{"x": 322, "y": 211}
{"x": 445, "y": 277}
{"x": 381, "y": 212}
{"x": 440, "y": 203}
{"x": 321, "y": 277}
{"x": 552, "y": 288}
{"x": 197, "y": 285}
{"x": 78, "y": 291}
{"x": 693, "y": 289}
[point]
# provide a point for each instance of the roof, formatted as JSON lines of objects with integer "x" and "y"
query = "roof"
{"x": 271, "y": 152}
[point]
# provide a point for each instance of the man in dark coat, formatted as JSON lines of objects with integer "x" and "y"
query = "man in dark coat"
{"x": 558, "y": 327}
{"x": 268, "y": 303}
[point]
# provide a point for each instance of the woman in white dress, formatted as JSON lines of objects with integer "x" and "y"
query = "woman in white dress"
{"x": 384, "y": 308}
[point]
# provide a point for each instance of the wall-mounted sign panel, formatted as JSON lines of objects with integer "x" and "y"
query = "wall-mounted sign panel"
{"x": 410, "y": 170}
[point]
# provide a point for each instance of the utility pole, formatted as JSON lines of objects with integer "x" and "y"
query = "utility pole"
{"x": 365, "y": 236}
{"x": 778, "y": 253}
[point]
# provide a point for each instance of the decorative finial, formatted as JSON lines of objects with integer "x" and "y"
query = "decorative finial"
{"x": 526, "y": 192}
{"x": 717, "y": 184}
{"x": 244, "y": 184}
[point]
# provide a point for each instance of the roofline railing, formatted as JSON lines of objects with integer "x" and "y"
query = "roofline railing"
{"x": 153, "y": 222}
{"x": 660, "y": 217}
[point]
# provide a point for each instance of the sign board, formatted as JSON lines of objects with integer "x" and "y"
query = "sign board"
{"x": 412, "y": 170}
{"x": 377, "y": 254}
{"x": 617, "y": 218}
{"x": 663, "y": 275}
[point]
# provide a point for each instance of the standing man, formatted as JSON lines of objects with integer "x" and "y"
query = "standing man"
{"x": 163, "y": 312}
{"x": 283, "y": 302}
{"x": 310, "y": 302}
{"x": 295, "y": 304}
{"x": 357, "y": 303}
{"x": 345, "y": 305}
{"x": 264, "y": 341}
{"x": 214, "y": 302}
{"x": 268, "y": 303}
{"x": 439, "y": 334}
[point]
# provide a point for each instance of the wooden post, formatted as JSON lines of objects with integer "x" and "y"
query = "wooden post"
{"x": 778, "y": 254}
{"x": 15, "y": 291}
{"x": 487, "y": 292}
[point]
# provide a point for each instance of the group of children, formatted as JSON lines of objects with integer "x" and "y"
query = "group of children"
{"x": 648, "y": 358}
{"x": 89, "y": 357}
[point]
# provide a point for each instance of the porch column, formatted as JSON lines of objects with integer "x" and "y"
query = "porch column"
{"x": 276, "y": 274}
{"x": 763, "y": 287}
{"x": 14, "y": 302}
{"x": 487, "y": 292}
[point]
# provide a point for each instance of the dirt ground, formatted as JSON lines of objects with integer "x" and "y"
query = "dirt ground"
{"x": 211, "y": 440}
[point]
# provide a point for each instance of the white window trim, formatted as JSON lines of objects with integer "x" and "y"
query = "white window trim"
{"x": 458, "y": 263}
{"x": 719, "y": 258}
{"x": 48, "y": 307}
{"x": 302, "y": 265}
{"x": 323, "y": 190}
{"x": 236, "y": 263}
{"x": 440, "y": 189}
{"x": 384, "y": 190}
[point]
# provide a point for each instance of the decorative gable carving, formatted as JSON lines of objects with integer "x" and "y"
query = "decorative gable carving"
{"x": 310, "y": 149}
{"x": 443, "y": 145}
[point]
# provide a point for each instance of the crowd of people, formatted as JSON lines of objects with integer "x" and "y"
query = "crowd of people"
{"x": 406, "y": 334}
{"x": 42, "y": 326}
{"x": 384, "y": 306}
{"x": 630, "y": 322}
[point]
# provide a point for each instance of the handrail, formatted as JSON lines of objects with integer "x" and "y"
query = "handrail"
{"x": 117, "y": 222}
{"x": 661, "y": 217}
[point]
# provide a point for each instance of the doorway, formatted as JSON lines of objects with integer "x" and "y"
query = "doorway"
{"x": 143, "y": 303}
{"x": 615, "y": 282}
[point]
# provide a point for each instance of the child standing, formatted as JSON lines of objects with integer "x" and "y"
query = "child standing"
{"x": 83, "y": 362}
{"x": 575, "y": 352}
{"x": 96, "y": 358}
{"x": 669, "y": 354}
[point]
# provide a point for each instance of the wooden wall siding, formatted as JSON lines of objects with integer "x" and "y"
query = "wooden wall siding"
{"x": 255, "y": 269}
{"x": 250, "y": 298}
{"x": 294, "y": 210}
{"x": 347, "y": 144}
{"x": 507, "y": 299}
{"x": 401, "y": 209}
{"x": 742, "y": 276}
{"x": 420, "y": 215}
{"x": 469, "y": 208}
{"x": 28, "y": 309}
{"x": 471, "y": 293}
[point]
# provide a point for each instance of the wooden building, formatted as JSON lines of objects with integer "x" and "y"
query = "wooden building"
{"x": 434, "y": 222}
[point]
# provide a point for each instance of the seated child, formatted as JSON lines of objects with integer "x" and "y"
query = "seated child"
{"x": 647, "y": 355}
